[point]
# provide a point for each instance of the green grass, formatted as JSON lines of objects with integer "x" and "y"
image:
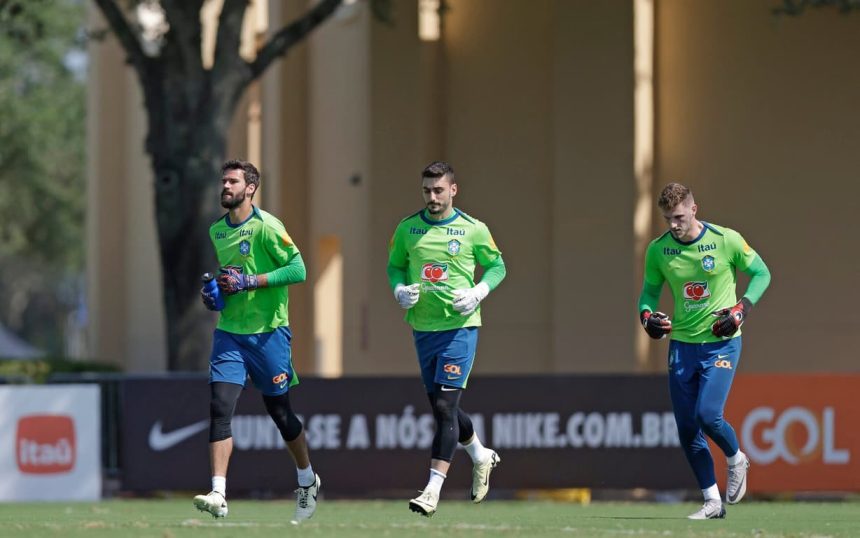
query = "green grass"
{"x": 177, "y": 518}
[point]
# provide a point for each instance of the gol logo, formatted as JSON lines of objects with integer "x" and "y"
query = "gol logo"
{"x": 796, "y": 436}
{"x": 45, "y": 444}
{"x": 434, "y": 272}
{"x": 696, "y": 291}
{"x": 452, "y": 369}
{"x": 723, "y": 364}
{"x": 280, "y": 378}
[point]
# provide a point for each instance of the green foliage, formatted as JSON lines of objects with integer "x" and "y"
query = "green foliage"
{"x": 38, "y": 371}
{"x": 42, "y": 141}
{"x": 797, "y": 7}
{"x": 42, "y": 166}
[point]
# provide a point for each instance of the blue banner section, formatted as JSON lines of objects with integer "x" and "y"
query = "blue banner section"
{"x": 372, "y": 435}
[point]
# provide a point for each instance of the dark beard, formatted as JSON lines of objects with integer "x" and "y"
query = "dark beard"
{"x": 234, "y": 203}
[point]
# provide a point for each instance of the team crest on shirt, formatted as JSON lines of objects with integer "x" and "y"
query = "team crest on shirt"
{"x": 244, "y": 248}
{"x": 708, "y": 263}
{"x": 453, "y": 247}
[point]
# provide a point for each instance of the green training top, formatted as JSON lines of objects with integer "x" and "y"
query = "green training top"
{"x": 702, "y": 276}
{"x": 441, "y": 255}
{"x": 259, "y": 245}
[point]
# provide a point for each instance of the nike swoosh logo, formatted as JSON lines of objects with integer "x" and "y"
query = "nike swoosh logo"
{"x": 722, "y": 356}
{"x": 446, "y": 388}
{"x": 159, "y": 441}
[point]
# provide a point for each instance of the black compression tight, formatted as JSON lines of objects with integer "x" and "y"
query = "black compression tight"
{"x": 222, "y": 405}
{"x": 282, "y": 413}
{"x": 452, "y": 423}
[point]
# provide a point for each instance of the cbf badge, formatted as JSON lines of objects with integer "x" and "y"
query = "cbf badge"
{"x": 453, "y": 247}
{"x": 244, "y": 248}
{"x": 708, "y": 263}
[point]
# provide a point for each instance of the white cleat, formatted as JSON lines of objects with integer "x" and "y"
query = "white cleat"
{"x": 736, "y": 485}
{"x": 306, "y": 501}
{"x": 213, "y": 502}
{"x": 481, "y": 476}
{"x": 425, "y": 504}
{"x": 712, "y": 509}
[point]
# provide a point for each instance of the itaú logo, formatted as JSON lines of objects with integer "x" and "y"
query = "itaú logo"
{"x": 797, "y": 435}
{"x": 45, "y": 444}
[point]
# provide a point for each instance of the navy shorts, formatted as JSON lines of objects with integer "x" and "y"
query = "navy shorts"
{"x": 446, "y": 357}
{"x": 265, "y": 357}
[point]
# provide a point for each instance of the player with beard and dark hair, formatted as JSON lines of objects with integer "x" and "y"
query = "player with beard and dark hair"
{"x": 431, "y": 268}
{"x": 258, "y": 261}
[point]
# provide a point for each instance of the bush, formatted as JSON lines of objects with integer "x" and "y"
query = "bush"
{"x": 37, "y": 371}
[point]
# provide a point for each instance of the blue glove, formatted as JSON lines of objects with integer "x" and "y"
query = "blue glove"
{"x": 232, "y": 280}
{"x": 208, "y": 299}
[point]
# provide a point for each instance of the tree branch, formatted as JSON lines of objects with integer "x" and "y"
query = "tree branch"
{"x": 184, "y": 20}
{"x": 229, "y": 37}
{"x": 288, "y": 36}
{"x": 126, "y": 35}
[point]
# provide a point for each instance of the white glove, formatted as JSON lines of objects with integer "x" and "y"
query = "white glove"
{"x": 407, "y": 296}
{"x": 467, "y": 301}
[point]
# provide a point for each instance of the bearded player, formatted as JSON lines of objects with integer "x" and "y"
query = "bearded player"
{"x": 431, "y": 268}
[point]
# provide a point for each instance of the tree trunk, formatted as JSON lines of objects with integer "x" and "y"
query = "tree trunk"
{"x": 187, "y": 203}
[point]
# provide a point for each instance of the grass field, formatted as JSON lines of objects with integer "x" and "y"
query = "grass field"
{"x": 177, "y": 518}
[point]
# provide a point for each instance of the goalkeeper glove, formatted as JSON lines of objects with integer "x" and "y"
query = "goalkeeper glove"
{"x": 232, "y": 280}
{"x": 466, "y": 301}
{"x": 656, "y": 324}
{"x": 406, "y": 296}
{"x": 209, "y": 300}
{"x": 730, "y": 319}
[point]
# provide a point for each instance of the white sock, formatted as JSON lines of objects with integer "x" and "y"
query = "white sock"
{"x": 737, "y": 458}
{"x": 435, "y": 482}
{"x": 712, "y": 493}
{"x": 306, "y": 476}
{"x": 219, "y": 484}
{"x": 478, "y": 452}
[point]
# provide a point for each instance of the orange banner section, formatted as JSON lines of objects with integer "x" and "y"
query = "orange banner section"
{"x": 800, "y": 431}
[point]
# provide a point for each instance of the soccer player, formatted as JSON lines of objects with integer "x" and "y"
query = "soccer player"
{"x": 431, "y": 268}
{"x": 699, "y": 261}
{"x": 258, "y": 261}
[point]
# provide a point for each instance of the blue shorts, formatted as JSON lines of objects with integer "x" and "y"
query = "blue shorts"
{"x": 265, "y": 357}
{"x": 446, "y": 357}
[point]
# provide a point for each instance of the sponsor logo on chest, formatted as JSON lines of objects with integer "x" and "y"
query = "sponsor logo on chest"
{"x": 696, "y": 291}
{"x": 242, "y": 233}
{"x": 434, "y": 272}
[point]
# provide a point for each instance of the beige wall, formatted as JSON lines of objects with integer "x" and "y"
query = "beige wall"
{"x": 126, "y": 318}
{"x": 536, "y": 127}
{"x": 532, "y": 102}
{"x": 759, "y": 116}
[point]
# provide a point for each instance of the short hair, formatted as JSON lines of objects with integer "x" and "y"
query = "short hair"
{"x": 438, "y": 169}
{"x": 252, "y": 175}
{"x": 673, "y": 195}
